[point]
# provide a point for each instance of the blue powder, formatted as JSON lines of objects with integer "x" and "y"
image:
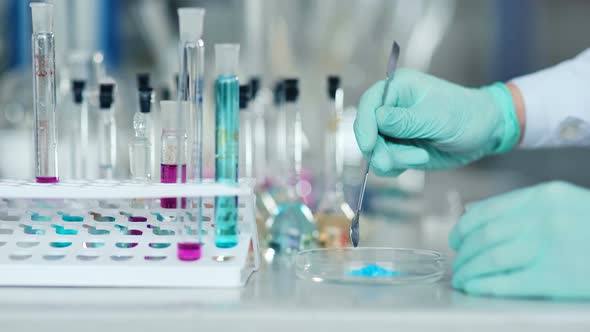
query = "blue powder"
{"x": 373, "y": 270}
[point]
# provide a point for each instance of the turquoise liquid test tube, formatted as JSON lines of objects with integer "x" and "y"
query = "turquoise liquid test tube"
{"x": 227, "y": 124}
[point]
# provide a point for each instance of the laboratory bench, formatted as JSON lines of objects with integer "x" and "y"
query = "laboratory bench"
{"x": 275, "y": 299}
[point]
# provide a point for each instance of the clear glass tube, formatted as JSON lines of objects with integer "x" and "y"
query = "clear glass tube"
{"x": 227, "y": 125}
{"x": 247, "y": 143}
{"x": 294, "y": 144}
{"x": 43, "y": 50}
{"x": 140, "y": 149}
{"x": 75, "y": 141}
{"x": 193, "y": 53}
{"x": 259, "y": 142}
{"x": 107, "y": 143}
{"x": 190, "y": 90}
{"x": 78, "y": 113}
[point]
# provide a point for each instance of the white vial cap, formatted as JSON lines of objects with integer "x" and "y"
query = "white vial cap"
{"x": 42, "y": 16}
{"x": 227, "y": 57}
{"x": 169, "y": 114}
{"x": 190, "y": 23}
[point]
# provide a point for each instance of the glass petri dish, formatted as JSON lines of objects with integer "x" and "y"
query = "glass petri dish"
{"x": 370, "y": 265}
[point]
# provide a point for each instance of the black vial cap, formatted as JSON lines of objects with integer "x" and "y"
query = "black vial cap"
{"x": 244, "y": 96}
{"x": 145, "y": 100}
{"x": 106, "y": 95}
{"x": 78, "y": 90}
{"x": 165, "y": 93}
{"x": 333, "y": 85}
{"x": 291, "y": 89}
{"x": 278, "y": 93}
{"x": 143, "y": 81}
{"x": 254, "y": 87}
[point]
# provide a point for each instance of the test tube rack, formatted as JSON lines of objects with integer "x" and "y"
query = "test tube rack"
{"x": 44, "y": 242}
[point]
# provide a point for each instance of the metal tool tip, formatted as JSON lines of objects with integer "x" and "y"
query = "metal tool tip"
{"x": 393, "y": 57}
{"x": 395, "y": 48}
{"x": 354, "y": 236}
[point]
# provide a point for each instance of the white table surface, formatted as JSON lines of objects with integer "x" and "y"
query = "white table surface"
{"x": 275, "y": 300}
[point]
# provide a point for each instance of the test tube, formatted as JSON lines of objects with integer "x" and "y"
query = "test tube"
{"x": 226, "y": 142}
{"x": 140, "y": 147}
{"x": 173, "y": 153}
{"x": 294, "y": 133}
{"x": 107, "y": 131}
{"x": 247, "y": 143}
{"x": 258, "y": 109}
{"x": 192, "y": 55}
{"x": 43, "y": 51}
{"x": 192, "y": 67}
{"x": 77, "y": 116}
{"x": 147, "y": 96}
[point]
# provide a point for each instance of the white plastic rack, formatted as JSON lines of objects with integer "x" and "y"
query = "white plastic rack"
{"x": 87, "y": 234}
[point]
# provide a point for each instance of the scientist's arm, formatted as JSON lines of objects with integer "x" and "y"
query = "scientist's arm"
{"x": 557, "y": 104}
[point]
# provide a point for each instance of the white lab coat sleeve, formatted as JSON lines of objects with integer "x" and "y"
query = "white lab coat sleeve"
{"x": 557, "y": 103}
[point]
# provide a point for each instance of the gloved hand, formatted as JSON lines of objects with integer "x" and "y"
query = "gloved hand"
{"x": 532, "y": 242}
{"x": 433, "y": 124}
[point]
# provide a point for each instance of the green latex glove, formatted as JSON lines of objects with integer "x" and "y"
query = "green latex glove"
{"x": 532, "y": 242}
{"x": 433, "y": 124}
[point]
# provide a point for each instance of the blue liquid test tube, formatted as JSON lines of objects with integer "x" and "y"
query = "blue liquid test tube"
{"x": 227, "y": 125}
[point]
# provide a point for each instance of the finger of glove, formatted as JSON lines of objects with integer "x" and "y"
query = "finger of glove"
{"x": 502, "y": 258}
{"x": 390, "y": 156}
{"x": 487, "y": 236}
{"x": 405, "y": 123}
{"x": 365, "y": 124}
{"x": 477, "y": 214}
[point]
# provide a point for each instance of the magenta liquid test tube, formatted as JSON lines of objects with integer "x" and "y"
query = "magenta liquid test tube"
{"x": 189, "y": 251}
{"x": 174, "y": 148}
{"x": 168, "y": 175}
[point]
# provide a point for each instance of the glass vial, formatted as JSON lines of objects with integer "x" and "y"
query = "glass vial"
{"x": 107, "y": 131}
{"x": 78, "y": 112}
{"x": 172, "y": 153}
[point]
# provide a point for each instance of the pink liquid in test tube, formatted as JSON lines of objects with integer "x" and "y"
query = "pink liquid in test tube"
{"x": 47, "y": 179}
{"x": 189, "y": 251}
{"x": 168, "y": 175}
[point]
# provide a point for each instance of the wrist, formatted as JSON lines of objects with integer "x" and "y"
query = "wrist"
{"x": 519, "y": 108}
{"x": 510, "y": 125}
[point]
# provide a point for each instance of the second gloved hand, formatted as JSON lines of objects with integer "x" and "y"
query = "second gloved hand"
{"x": 532, "y": 242}
{"x": 429, "y": 123}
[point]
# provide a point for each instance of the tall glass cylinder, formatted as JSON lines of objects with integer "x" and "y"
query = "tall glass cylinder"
{"x": 192, "y": 67}
{"x": 227, "y": 125}
{"x": 43, "y": 50}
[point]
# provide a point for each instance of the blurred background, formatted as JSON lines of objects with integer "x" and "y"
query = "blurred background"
{"x": 465, "y": 41}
